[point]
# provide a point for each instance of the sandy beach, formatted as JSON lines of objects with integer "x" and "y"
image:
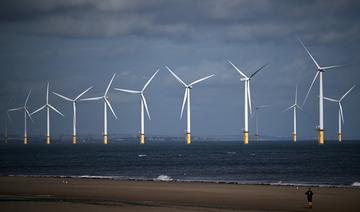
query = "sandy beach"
{"x": 60, "y": 194}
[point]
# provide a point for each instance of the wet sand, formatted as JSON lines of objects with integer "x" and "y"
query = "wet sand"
{"x": 65, "y": 194}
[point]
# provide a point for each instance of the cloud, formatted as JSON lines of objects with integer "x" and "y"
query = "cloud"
{"x": 229, "y": 20}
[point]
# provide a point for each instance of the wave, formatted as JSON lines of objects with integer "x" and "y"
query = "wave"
{"x": 356, "y": 184}
{"x": 163, "y": 178}
{"x": 166, "y": 178}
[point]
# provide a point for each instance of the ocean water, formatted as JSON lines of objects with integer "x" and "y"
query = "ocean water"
{"x": 265, "y": 162}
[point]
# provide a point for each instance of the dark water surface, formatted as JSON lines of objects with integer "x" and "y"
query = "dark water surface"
{"x": 267, "y": 162}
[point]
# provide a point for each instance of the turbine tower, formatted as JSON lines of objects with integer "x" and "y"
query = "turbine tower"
{"x": 26, "y": 115}
{"x": 341, "y": 113}
{"x": 320, "y": 71}
{"x": 142, "y": 103}
{"x": 188, "y": 87}
{"x": 257, "y": 108}
{"x": 74, "y": 101}
{"x": 107, "y": 104}
{"x": 48, "y": 107}
{"x": 295, "y": 106}
{"x": 247, "y": 98}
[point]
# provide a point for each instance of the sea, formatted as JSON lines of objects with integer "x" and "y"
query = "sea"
{"x": 277, "y": 163}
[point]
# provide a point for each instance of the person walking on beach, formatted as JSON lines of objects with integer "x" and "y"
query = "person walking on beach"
{"x": 309, "y": 195}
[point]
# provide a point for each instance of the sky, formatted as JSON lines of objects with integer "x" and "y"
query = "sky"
{"x": 75, "y": 44}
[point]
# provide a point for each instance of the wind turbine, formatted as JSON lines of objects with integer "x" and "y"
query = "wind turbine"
{"x": 247, "y": 98}
{"x": 295, "y": 106}
{"x": 48, "y": 107}
{"x": 107, "y": 104}
{"x": 257, "y": 108}
{"x": 6, "y": 117}
{"x": 188, "y": 87}
{"x": 26, "y": 114}
{"x": 341, "y": 113}
{"x": 142, "y": 103}
{"x": 74, "y": 101}
{"x": 320, "y": 71}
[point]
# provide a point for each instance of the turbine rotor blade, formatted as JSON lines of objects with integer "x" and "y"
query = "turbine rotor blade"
{"x": 63, "y": 97}
{"x": 317, "y": 65}
{"x": 27, "y": 98}
{"x": 289, "y": 108}
{"x": 312, "y": 83}
{"x": 330, "y": 99}
{"x": 83, "y": 93}
{"x": 108, "y": 87}
{"x": 242, "y": 74}
{"x": 249, "y": 96}
{"x": 341, "y": 112}
{"x": 257, "y": 71}
{"x": 176, "y": 77}
{"x": 183, "y": 104}
{"x": 347, "y": 92}
{"x": 145, "y": 104}
{"x": 47, "y": 93}
{"x": 331, "y": 67}
{"x": 296, "y": 94}
{"x": 15, "y": 109}
{"x": 9, "y": 117}
{"x": 128, "y": 91}
{"x": 54, "y": 109}
{"x": 202, "y": 79}
{"x": 148, "y": 82}
{"x": 109, "y": 105}
{"x": 92, "y": 99}
{"x": 41, "y": 108}
{"x": 27, "y": 112}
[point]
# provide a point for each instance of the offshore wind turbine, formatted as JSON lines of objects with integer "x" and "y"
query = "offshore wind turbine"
{"x": 320, "y": 71}
{"x": 257, "y": 108}
{"x": 247, "y": 98}
{"x": 188, "y": 87}
{"x": 74, "y": 101}
{"x": 295, "y": 106}
{"x": 107, "y": 104}
{"x": 26, "y": 115}
{"x": 142, "y": 103}
{"x": 341, "y": 113}
{"x": 48, "y": 107}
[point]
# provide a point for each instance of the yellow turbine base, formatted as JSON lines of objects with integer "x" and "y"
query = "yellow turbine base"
{"x": 74, "y": 139}
{"x": 188, "y": 138}
{"x": 25, "y": 140}
{"x": 105, "y": 139}
{"x": 294, "y": 137}
{"x": 321, "y": 136}
{"x": 340, "y": 137}
{"x": 246, "y": 137}
{"x": 48, "y": 140}
{"x": 142, "y": 139}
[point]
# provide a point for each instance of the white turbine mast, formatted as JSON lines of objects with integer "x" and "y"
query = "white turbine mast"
{"x": 73, "y": 101}
{"x": 188, "y": 87}
{"x": 320, "y": 71}
{"x": 142, "y": 104}
{"x": 107, "y": 104}
{"x": 48, "y": 106}
{"x": 341, "y": 112}
{"x": 26, "y": 115}
{"x": 247, "y": 98}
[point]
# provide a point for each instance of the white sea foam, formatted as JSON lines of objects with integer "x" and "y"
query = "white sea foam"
{"x": 140, "y": 156}
{"x": 163, "y": 178}
{"x": 356, "y": 184}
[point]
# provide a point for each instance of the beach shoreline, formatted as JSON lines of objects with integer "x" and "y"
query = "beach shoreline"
{"x": 77, "y": 194}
